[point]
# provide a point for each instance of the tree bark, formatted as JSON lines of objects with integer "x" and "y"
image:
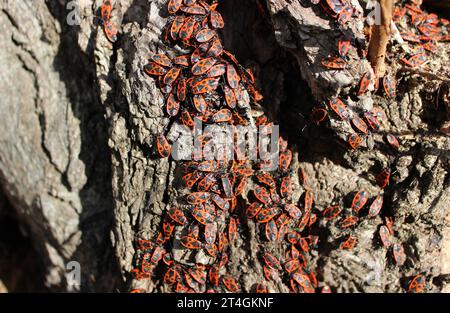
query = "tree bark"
{"x": 77, "y": 160}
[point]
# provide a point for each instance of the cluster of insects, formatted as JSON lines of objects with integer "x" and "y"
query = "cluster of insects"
{"x": 421, "y": 30}
{"x": 208, "y": 84}
{"x": 418, "y": 28}
{"x": 361, "y": 123}
{"x": 350, "y": 219}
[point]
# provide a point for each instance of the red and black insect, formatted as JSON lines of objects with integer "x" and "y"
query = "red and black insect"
{"x": 172, "y": 276}
{"x": 198, "y": 197}
{"x": 154, "y": 69}
{"x": 221, "y": 203}
{"x": 399, "y": 253}
{"x": 210, "y": 233}
{"x": 199, "y": 274}
{"x": 339, "y": 108}
{"x": 163, "y": 146}
{"x": 202, "y": 215}
{"x": 303, "y": 244}
{"x": 266, "y": 214}
{"x": 376, "y": 206}
{"x": 162, "y": 60}
{"x": 292, "y": 265}
{"x": 144, "y": 245}
{"x": 282, "y": 220}
{"x": 334, "y": 63}
{"x": 318, "y": 115}
{"x": 293, "y": 211}
{"x": 205, "y": 85}
{"x": 359, "y": 201}
{"x": 354, "y": 141}
{"x": 190, "y": 243}
{"x": 172, "y": 105}
{"x": 261, "y": 288}
{"x": 205, "y": 35}
{"x": 181, "y": 89}
{"x": 110, "y": 31}
{"x": 175, "y": 28}
{"x": 385, "y": 236}
{"x": 230, "y": 283}
{"x": 360, "y": 125}
{"x": 171, "y": 75}
{"x": 253, "y": 209}
{"x": 383, "y": 177}
{"x": 286, "y": 187}
{"x": 372, "y": 121}
{"x": 200, "y": 103}
{"x": 233, "y": 77}
{"x": 157, "y": 255}
{"x": 365, "y": 83}
{"x": 266, "y": 179}
{"x": 392, "y": 141}
{"x": 202, "y": 66}
{"x": 176, "y": 215}
{"x": 285, "y": 160}
{"x": 194, "y": 285}
{"x": 332, "y": 212}
{"x": 390, "y": 86}
{"x": 292, "y": 237}
{"x": 106, "y": 9}
{"x": 303, "y": 281}
{"x": 232, "y": 229}
{"x": 349, "y": 243}
{"x": 186, "y": 29}
{"x": 271, "y": 230}
{"x": 348, "y": 222}
{"x": 174, "y": 5}
{"x": 262, "y": 194}
{"x": 271, "y": 261}
{"x": 345, "y": 15}
{"x": 411, "y": 37}
{"x": 213, "y": 275}
{"x": 216, "y": 19}
{"x": 230, "y": 97}
{"x": 240, "y": 187}
{"x": 332, "y": 7}
{"x": 217, "y": 70}
{"x": 193, "y": 230}
{"x": 182, "y": 60}
{"x": 417, "y": 284}
{"x": 415, "y": 60}
{"x": 344, "y": 47}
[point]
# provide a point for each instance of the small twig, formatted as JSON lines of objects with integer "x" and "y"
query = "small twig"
{"x": 423, "y": 73}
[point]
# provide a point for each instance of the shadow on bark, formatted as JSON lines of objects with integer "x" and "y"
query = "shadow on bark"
{"x": 99, "y": 271}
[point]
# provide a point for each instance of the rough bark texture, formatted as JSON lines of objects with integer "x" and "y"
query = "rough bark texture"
{"x": 54, "y": 161}
{"x": 79, "y": 117}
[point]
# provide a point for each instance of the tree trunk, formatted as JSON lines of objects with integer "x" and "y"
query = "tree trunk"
{"x": 81, "y": 178}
